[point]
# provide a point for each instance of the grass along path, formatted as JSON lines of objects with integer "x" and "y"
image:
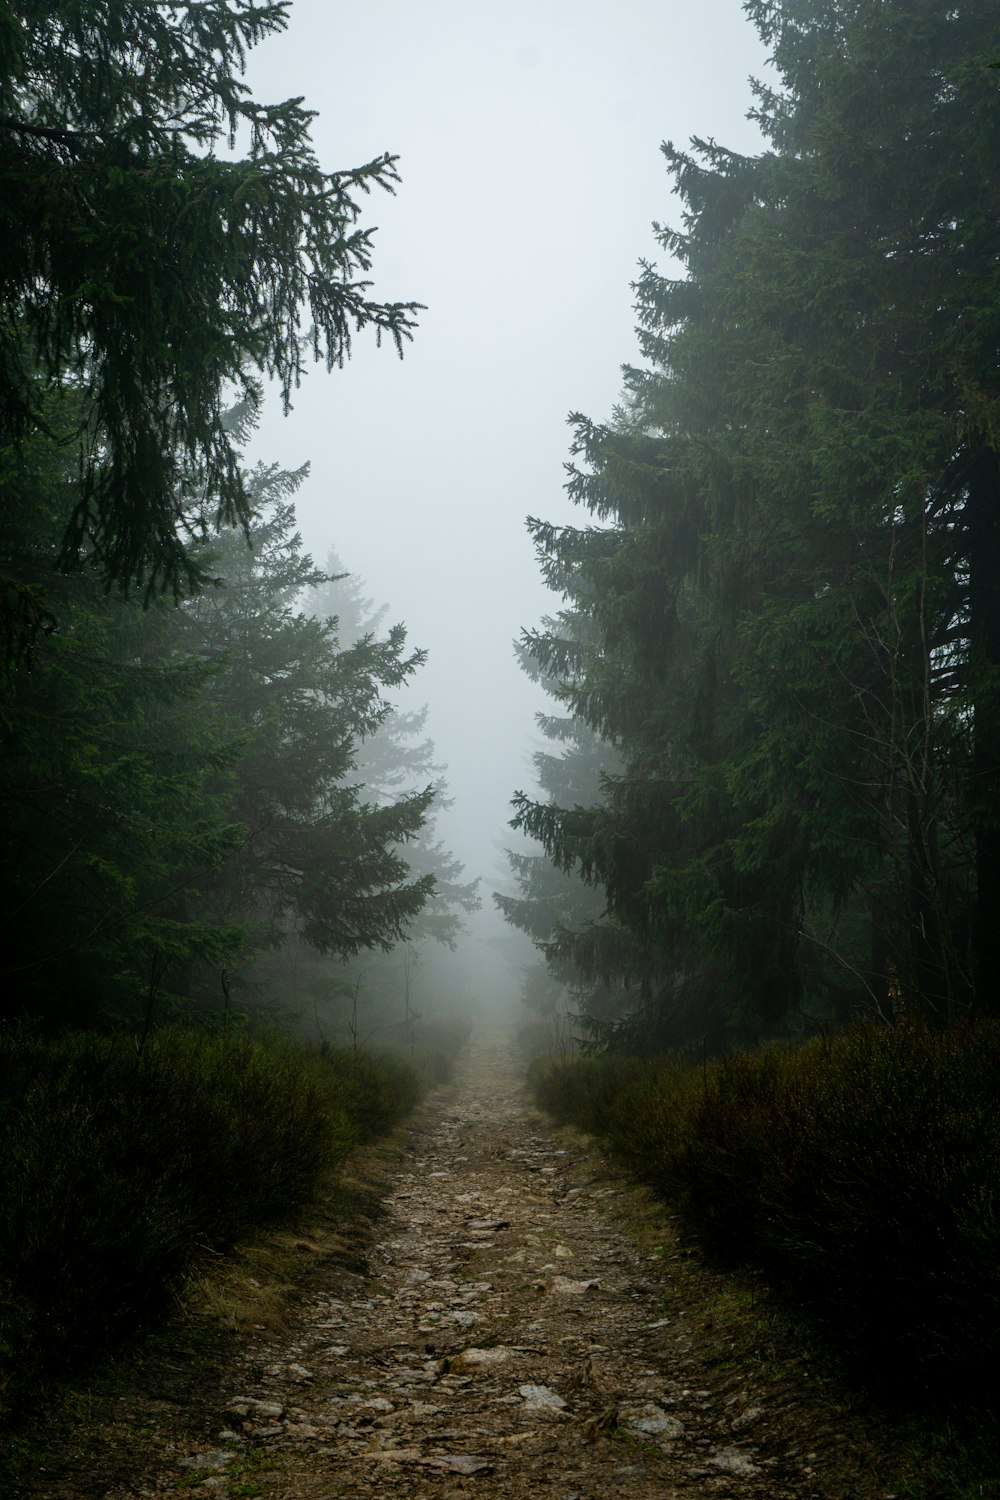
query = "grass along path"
{"x": 525, "y": 1325}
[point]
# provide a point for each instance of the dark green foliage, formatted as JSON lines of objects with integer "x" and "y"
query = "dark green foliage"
{"x": 397, "y": 762}
{"x": 180, "y": 784}
{"x": 393, "y": 767}
{"x": 869, "y": 1179}
{"x": 318, "y": 858}
{"x": 374, "y": 1090}
{"x": 157, "y": 275}
{"x": 177, "y": 785}
{"x": 789, "y": 579}
{"x": 591, "y": 966}
{"x": 861, "y": 1174}
{"x": 117, "y": 793}
{"x": 117, "y": 1166}
{"x": 586, "y": 1092}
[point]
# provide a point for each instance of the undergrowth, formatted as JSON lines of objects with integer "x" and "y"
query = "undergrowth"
{"x": 860, "y": 1174}
{"x": 118, "y": 1166}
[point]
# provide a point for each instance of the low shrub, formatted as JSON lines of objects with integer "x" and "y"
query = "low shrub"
{"x": 117, "y": 1166}
{"x": 862, "y": 1175}
{"x": 374, "y": 1090}
{"x": 876, "y": 1202}
{"x": 585, "y": 1091}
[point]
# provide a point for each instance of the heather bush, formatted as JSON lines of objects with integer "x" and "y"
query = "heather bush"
{"x": 861, "y": 1174}
{"x": 118, "y": 1164}
{"x": 585, "y": 1091}
{"x": 374, "y": 1090}
{"x": 428, "y": 1049}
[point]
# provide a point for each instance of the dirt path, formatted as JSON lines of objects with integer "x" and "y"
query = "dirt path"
{"x": 510, "y": 1339}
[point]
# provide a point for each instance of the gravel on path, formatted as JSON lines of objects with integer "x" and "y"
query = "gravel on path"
{"x": 510, "y": 1338}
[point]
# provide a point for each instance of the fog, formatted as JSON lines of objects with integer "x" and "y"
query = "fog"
{"x": 528, "y": 139}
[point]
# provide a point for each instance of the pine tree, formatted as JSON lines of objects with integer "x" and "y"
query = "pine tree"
{"x": 319, "y": 859}
{"x": 589, "y": 966}
{"x": 885, "y": 134}
{"x": 180, "y": 784}
{"x": 791, "y": 585}
{"x": 167, "y": 238}
{"x": 396, "y": 760}
{"x": 116, "y": 784}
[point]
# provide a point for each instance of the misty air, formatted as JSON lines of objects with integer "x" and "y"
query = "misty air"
{"x": 500, "y": 749}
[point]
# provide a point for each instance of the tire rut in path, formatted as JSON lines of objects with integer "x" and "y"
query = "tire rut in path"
{"x": 509, "y": 1341}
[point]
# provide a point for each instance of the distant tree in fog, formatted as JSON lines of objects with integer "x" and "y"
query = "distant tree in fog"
{"x": 398, "y": 759}
{"x": 179, "y": 785}
{"x": 547, "y": 900}
{"x": 320, "y": 858}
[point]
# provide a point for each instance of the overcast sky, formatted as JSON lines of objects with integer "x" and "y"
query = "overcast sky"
{"x": 528, "y": 138}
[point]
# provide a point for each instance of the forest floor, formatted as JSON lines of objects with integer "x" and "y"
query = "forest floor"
{"x": 507, "y": 1317}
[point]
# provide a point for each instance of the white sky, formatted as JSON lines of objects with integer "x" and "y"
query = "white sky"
{"x": 528, "y": 136}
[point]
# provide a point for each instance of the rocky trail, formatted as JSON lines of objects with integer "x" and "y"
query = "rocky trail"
{"x": 509, "y": 1337}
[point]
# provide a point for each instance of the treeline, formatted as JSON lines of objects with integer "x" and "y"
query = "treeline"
{"x": 192, "y": 804}
{"x": 781, "y": 611}
{"x": 183, "y": 718}
{"x": 186, "y": 810}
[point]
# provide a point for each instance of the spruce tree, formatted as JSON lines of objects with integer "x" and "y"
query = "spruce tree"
{"x": 397, "y": 760}
{"x": 318, "y": 860}
{"x": 167, "y": 238}
{"x": 791, "y": 576}
{"x": 116, "y": 784}
{"x": 596, "y": 969}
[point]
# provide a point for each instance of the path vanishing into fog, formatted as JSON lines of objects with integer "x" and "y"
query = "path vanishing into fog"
{"x": 511, "y": 1338}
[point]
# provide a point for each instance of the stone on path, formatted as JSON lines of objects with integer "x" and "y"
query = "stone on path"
{"x": 478, "y": 1359}
{"x": 732, "y": 1461}
{"x": 651, "y": 1420}
{"x": 541, "y": 1398}
{"x": 565, "y": 1392}
{"x": 564, "y": 1286}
